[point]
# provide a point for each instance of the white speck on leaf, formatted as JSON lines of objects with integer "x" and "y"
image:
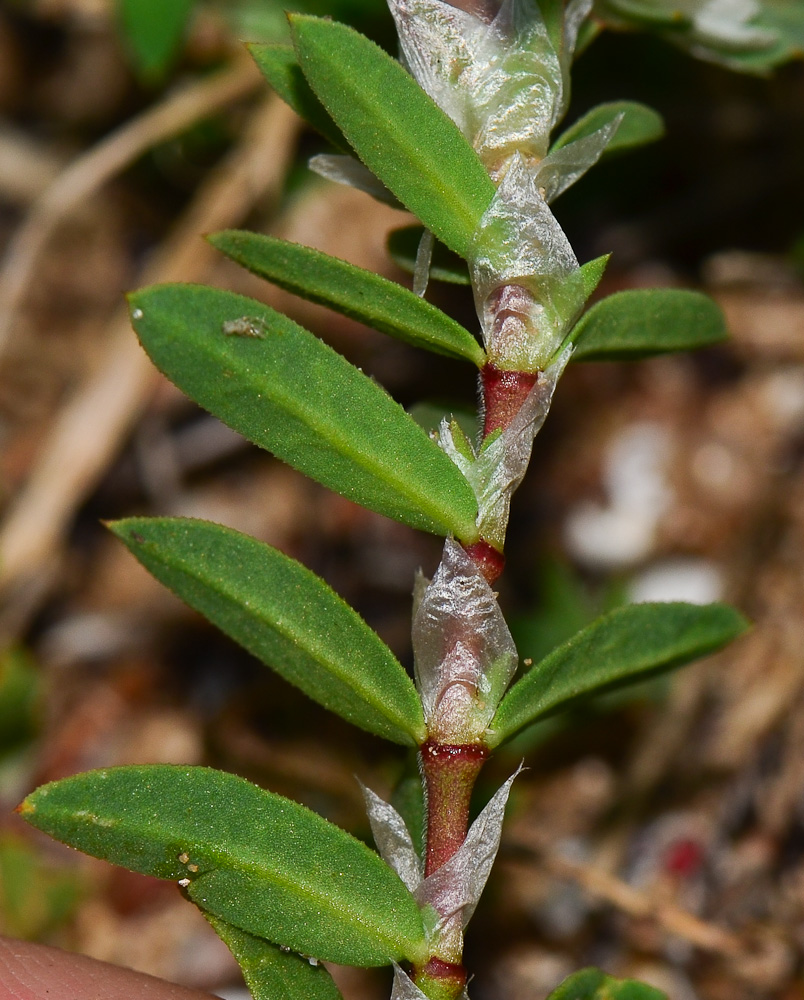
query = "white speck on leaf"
{"x": 245, "y": 326}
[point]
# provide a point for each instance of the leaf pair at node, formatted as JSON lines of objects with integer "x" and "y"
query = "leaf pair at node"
{"x": 286, "y": 391}
{"x": 295, "y": 624}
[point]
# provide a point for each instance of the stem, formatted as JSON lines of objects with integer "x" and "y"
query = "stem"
{"x": 484, "y": 9}
{"x": 449, "y": 776}
{"x": 441, "y": 980}
{"x": 504, "y": 392}
{"x": 450, "y": 770}
{"x": 490, "y": 561}
{"x": 507, "y": 324}
{"x": 449, "y": 773}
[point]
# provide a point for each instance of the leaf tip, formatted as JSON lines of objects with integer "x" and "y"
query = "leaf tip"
{"x": 126, "y": 530}
{"x": 296, "y": 19}
{"x": 740, "y": 622}
{"x": 135, "y": 309}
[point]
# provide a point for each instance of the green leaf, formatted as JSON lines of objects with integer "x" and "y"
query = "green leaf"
{"x": 283, "y": 614}
{"x": 552, "y": 12}
{"x": 403, "y": 245}
{"x": 592, "y": 984}
{"x": 591, "y": 273}
{"x": 154, "y": 30}
{"x": 736, "y": 36}
{"x": 396, "y": 129}
{"x": 353, "y": 291}
{"x": 286, "y": 391}
{"x": 280, "y": 67}
{"x": 649, "y": 12}
{"x": 639, "y": 125}
{"x": 273, "y": 974}
{"x": 628, "y": 644}
{"x": 641, "y": 322}
{"x": 257, "y": 860}
{"x": 786, "y": 18}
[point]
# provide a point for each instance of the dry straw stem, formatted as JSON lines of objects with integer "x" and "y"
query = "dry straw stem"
{"x": 27, "y": 166}
{"x": 602, "y": 885}
{"x": 88, "y": 430}
{"x": 107, "y": 159}
{"x": 750, "y": 957}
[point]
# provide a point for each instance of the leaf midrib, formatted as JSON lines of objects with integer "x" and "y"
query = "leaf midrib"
{"x": 533, "y": 711}
{"x": 313, "y": 649}
{"x": 339, "y": 440}
{"x": 364, "y": 103}
{"x": 254, "y": 867}
{"x": 338, "y": 909}
{"x": 430, "y": 317}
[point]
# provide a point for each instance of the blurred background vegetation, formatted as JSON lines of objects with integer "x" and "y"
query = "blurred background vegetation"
{"x": 659, "y": 833}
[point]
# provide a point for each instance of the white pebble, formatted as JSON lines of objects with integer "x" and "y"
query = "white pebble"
{"x": 696, "y": 581}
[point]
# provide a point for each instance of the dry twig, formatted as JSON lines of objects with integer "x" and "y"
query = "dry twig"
{"x": 634, "y": 902}
{"x": 92, "y": 423}
{"x": 93, "y": 169}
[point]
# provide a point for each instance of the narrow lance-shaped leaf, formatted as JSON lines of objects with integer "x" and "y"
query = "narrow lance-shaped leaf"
{"x": 273, "y": 974}
{"x": 641, "y": 322}
{"x": 286, "y": 391}
{"x": 626, "y": 645}
{"x": 382, "y": 304}
{"x": 283, "y": 614}
{"x": 396, "y": 129}
{"x": 639, "y": 125}
{"x": 257, "y": 860}
{"x": 280, "y": 67}
{"x": 592, "y": 984}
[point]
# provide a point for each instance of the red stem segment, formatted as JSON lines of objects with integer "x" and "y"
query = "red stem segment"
{"x": 450, "y": 770}
{"x": 449, "y": 776}
{"x": 488, "y": 560}
{"x": 441, "y": 980}
{"x": 504, "y": 393}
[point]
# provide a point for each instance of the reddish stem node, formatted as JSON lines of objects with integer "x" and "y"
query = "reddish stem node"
{"x": 441, "y": 980}
{"x": 490, "y": 561}
{"x": 437, "y": 968}
{"x": 504, "y": 392}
